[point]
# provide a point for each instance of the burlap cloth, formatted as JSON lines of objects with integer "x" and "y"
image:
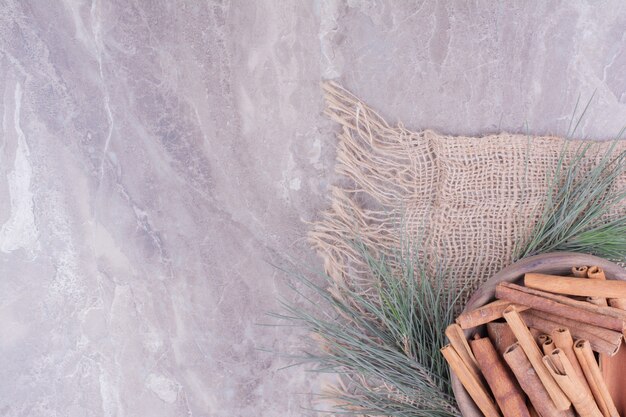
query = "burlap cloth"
{"x": 467, "y": 200}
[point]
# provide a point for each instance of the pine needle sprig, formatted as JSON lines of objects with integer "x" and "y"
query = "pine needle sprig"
{"x": 387, "y": 338}
{"x": 583, "y": 210}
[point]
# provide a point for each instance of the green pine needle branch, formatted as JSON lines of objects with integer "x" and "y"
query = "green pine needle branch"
{"x": 386, "y": 346}
{"x": 584, "y": 210}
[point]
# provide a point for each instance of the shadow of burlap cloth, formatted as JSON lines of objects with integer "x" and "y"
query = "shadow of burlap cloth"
{"x": 468, "y": 200}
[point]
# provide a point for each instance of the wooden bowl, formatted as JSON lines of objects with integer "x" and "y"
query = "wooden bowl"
{"x": 557, "y": 263}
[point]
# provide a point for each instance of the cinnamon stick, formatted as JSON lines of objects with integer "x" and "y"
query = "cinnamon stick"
{"x": 609, "y": 311}
{"x": 599, "y": 301}
{"x": 521, "y": 295}
{"x": 534, "y": 355}
{"x": 459, "y": 342}
{"x": 563, "y": 373}
{"x": 563, "y": 341}
{"x": 531, "y": 384}
{"x": 613, "y": 368}
{"x": 602, "y": 340}
{"x": 580, "y": 271}
{"x": 577, "y": 327}
{"x": 596, "y": 383}
{"x": 595, "y": 272}
{"x": 576, "y": 286}
{"x": 504, "y": 387}
{"x": 470, "y": 383}
{"x": 501, "y": 335}
{"x": 546, "y": 344}
{"x": 484, "y": 314}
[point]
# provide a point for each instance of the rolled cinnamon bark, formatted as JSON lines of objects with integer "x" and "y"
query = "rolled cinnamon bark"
{"x": 531, "y": 384}
{"x": 484, "y": 314}
{"x": 602, "y": 340}
{"x": 595, "y": 272}
{"x": 470, "y": 383}
{"x": 546, "y": 343}
{"x": 618, "y": 303}
{"x": 609, "y": 311}
{"x": 599, "y": 301}
{"x": 534, "y": 355}
{"x": 503, "y": 384}
{"x": 596, "y": 383}
{"x": 521, "y": 295}
{"x": 580, "y": 271}
{"x": 576, "y": 327}
{"x": 563, "y": 341}
{"x": 459, "y": 342}
{"x": 576, "y": 286}
{"x": 563, "y": 373}
{"x": 613, "y": 368}
{"x": 501, "y": 335}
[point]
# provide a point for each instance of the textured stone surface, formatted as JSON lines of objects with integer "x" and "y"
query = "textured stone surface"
{"x": 156, "y": 155}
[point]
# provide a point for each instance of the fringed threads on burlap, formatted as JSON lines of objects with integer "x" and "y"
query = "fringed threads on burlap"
{"x": 467, "y": 201}
{"x": 386, "y": 169}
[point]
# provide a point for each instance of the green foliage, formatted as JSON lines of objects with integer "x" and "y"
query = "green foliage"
{"x": 384, "y": 340}
{"x": 584, "y": 211}
{"x": 582, "y": 208}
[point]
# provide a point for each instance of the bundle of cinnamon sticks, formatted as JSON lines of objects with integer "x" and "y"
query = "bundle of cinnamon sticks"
{"x": 533, "y": 350}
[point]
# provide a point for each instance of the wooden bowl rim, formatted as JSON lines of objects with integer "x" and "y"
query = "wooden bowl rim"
{"x": 547, "y": 263}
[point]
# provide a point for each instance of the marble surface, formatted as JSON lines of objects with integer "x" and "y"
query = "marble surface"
{"x": 157, "y": 156}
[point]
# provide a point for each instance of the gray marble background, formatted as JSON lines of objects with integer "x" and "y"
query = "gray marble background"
{"x": 155, "y": 156}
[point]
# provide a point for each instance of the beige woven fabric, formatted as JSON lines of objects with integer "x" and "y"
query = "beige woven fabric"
{"x": 467, "y": 200}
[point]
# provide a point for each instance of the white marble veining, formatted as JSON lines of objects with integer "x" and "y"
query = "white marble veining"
{"x": 157, "y": 156}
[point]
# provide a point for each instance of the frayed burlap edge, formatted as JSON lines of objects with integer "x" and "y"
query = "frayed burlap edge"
{"x": 397, "y": 183}
{"x": 378, "y": 163}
